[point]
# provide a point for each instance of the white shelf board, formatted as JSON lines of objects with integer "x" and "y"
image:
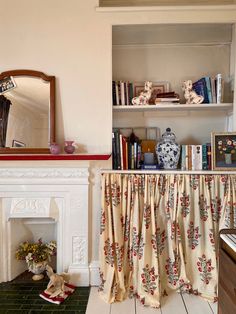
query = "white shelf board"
{"x": 171, "y": 106}
{"x": 177, "y": 171}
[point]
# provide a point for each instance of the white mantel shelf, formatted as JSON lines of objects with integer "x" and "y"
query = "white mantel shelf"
{"x": 194, "y": 172}
{"x": 178, "y": 107}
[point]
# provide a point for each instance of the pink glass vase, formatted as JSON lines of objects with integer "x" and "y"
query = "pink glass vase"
{"x": 69, "y": 148}
{"x": 54, "y": 149}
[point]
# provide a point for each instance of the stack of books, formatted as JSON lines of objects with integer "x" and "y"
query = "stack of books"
{"x": 196, "y": 157}
{"x": 211, "y": 88}
{"x": 169, "y": 97}
{"x": 126, "y": 151}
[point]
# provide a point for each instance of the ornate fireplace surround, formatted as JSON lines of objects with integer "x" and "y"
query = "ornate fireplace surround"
{"x": 58, "y": 194}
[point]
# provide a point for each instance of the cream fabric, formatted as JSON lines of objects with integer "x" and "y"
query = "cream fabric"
{"x": 160, "y": 232}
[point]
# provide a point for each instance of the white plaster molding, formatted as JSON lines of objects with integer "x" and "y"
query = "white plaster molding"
{"x": 79, "y": 250}
{"x": 59, "y": 175}
{"x": 94, "y": 273}
{"x": 30, "y": 207}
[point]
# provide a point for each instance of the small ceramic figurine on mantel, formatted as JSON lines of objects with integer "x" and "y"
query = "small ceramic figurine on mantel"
{"x": 143, "y": 98}
{"x": 190, "y": 95}
{"x": 69, "y": 147}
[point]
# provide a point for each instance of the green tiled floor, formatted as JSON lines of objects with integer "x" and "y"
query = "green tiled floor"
{"x": 22, "y": 296}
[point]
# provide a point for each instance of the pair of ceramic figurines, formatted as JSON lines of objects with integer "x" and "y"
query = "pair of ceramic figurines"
{"x": 189, "y": 94}
{"x": 69, "y": 148}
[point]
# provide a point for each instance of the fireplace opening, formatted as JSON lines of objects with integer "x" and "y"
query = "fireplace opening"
{"x": 31, "y": 230}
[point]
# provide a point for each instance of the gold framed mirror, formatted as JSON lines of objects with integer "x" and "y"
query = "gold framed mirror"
{"x": 27, "y": 112}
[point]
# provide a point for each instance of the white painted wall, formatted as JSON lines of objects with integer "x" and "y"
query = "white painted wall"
{"x": 72, "y": 41}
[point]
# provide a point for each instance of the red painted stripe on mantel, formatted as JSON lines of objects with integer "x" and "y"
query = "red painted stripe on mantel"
{"x": 55, "y": 157}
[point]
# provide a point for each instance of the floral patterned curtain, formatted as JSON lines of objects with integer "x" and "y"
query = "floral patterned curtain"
{"x": 160, "y": 232}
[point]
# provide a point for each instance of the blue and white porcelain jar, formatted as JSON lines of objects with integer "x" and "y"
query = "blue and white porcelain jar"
{"x": 168, "y": 151}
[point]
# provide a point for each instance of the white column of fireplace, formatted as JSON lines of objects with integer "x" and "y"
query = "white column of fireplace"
{"x": 56, "y": 194}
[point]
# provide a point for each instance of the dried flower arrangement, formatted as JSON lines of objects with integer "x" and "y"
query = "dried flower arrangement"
{"x": 36, "y": 252}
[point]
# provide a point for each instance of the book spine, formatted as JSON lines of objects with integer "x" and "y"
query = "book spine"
{"x": 189, "y": 157}
{"x": 139, "y": 156}
{"x": 204, "y": 157}
{"x": 122, "y": 93}
{"x": 209, "y": 163}
{"x": 117, "y": 94}
{"x": 198, "y": 157}
{"x": 208, "y": 86}
{"x": 117, "y": 139}
{"x": 114, "y": 157}
{"x": 131, "y": 93}
{"x": 213, "y": 90}
{"x": 206, "y": 99}
{"x": 124, "y": 152}
{"x": 183, "y": 157}
{"x": 186, "y": 157}
{"x": 121, "y": 153}
{"x": 218, "y": 88}
{"x": 113, "y": 93}
{"x": 193, "y": 157}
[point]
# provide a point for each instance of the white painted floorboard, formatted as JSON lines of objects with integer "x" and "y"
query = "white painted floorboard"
{"x": 196, "y": 305}
{"x": 175, "y": 303}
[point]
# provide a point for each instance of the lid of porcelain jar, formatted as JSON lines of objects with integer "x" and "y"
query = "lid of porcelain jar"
{"x": 168, "y": 136}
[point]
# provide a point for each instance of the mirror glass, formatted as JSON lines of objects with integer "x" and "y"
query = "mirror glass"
{"x": 26, "y": 111}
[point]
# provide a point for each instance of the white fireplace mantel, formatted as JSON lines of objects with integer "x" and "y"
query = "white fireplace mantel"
{"x": 60, "y": 194}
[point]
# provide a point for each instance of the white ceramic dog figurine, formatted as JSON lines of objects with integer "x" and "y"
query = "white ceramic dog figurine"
{"x": 190, "y": 95}
{"x": 56, "y": 285}
{"x": 144, "y": 96}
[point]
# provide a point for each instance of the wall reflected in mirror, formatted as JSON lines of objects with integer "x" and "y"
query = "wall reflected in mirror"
{"x": 28, "y": 117}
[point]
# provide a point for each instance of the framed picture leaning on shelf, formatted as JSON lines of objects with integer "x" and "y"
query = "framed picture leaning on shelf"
{"x": 157, "y": 88}
{"x": 223, "y": 150}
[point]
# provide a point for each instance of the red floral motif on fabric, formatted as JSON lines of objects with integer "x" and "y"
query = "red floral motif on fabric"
{"x": 147, "y": 215}
{"x": 172, "y": 271}
{"x": 216, "y": 209}
{"x": 115, "y": 194}
{"x": 205, "y": 268}
{"x": 175, "y": 231}
{"x": 193, "y": 235}
{"x": 102, "y": 222}
{"x": 101, "y": 286}
{"x": 125, "y": 222}
{"x": 113, "y": 252}
{"x": 212, "y": 239}
{"x": 137, "y": 244}
{"x": 184, "y": 202}
{"x": 107, "y": 194}
{"x": 203, "y": 207}
{"x": 224, "y": 179}
{"x": 194, "y": 181}
{"x": 149, "y": 279}
{"x": 158, "y": 241}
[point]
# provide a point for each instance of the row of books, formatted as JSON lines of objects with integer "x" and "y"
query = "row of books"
{"x": 122, "y": 93}
{"x": 211, "y": 88}
{"x": 126, "y": 151}
{"x": 196, "y": 157}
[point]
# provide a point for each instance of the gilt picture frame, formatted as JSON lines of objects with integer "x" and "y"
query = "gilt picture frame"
{"x": 223, "y": 151}
{"x": 157, "y": 88}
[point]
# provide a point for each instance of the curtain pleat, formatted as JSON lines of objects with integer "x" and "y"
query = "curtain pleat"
{"x": 160, "y": 233}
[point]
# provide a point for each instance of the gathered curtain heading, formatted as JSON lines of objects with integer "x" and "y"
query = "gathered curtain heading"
{"x": 159, "y": 232}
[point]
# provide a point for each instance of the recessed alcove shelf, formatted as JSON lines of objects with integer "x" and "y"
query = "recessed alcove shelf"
{"x": 179, "y": 107}
{"x": 55, "y": 157}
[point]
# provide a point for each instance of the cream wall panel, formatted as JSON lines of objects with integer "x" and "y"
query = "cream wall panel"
{"x": 72, "y": 41}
